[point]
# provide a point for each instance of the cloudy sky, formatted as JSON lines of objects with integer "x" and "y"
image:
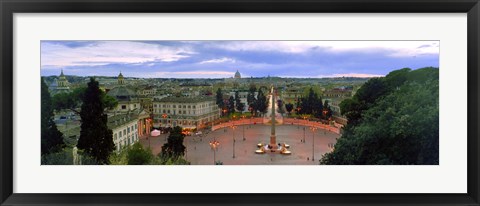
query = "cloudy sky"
{"x": 219, "y": 59}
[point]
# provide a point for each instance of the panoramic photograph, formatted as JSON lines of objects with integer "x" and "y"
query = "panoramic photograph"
{"x": 239, "y": 102}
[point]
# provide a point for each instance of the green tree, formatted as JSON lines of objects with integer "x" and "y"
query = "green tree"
{"x": 299, "y": 106}
{"x": 95, "y": 136}
{"x": 311, "y": 104}
{"x": 133, "y": 155}
{"x": 327, "y": 111}
{"x": 51, "y": 138}
{"x": 108, "y": 101}
{"x": 261, "y": 104}
{"x": 365, "y": 97}
{"x": 251, "y": 99}
{"x": 251, "y": 95}
{"x": 397, "y": 124}
{"x": 238, "y": 104}
{"x": 161, "y": 160}
{"x": 174, "y": 147}
{"x": 62, "y": 157}
{"x": 231, "y": 105}
{"x": 289, "y": 107}
{"x": 219, "y": 98}
{"x": 137, "y": 155}
{"x": 280, "y": 108}
{"x": 73, "y": 100}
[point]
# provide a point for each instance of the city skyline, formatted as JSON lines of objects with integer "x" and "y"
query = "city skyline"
{"x": 221, "y": 59}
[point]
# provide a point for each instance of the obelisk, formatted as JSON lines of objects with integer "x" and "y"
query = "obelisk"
{"x": 273, "y": 141}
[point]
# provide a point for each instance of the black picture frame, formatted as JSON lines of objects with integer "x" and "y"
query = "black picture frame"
{"x": 10, "y": 7}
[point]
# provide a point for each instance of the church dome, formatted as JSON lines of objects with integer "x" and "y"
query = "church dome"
{"x": 122, "y": 93}
{"x": 237, "y": 75}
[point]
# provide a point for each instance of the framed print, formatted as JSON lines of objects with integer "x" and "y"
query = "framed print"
{"x": 264, "y": 102}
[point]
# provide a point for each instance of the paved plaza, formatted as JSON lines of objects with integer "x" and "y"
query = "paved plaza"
{"x": 199, "y": 151}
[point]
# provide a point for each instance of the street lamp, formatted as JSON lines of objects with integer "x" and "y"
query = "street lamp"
{"x": 186, "y": 148}
{"x": 304, "y": 127}
{"x": 313, "y": 142}
{"x": 233, "y": 138}
{"x": 164, "y": 119}
{"x": 298, "y": 123}
{"x": 325, "y": 114}
{"x": 243, "y": 127}
{"x": 213, "y": 145}
{"x": 251, "y": 115}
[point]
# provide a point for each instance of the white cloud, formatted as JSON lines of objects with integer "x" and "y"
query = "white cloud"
{"x": 196, "y": 74}
{"x": 359, "y": 75}
{"x": 391, "y": 48}
{"x": 221, "y": 60}
{"x": 106, "y": 52}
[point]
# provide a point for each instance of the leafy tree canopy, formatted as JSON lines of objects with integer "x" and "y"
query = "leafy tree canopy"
{"x": 391, "y": 120}
{"x": 95, "y": 136}
{"x": 174, "y": 147}
{"x": 73, "y": 100}
{"x": 51, "y": 138}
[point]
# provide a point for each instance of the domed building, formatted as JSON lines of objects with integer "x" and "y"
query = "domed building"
{"x": 60, "y": 85}
{"x": 127, "y": 98}
{"x": 129, "y": 121}
{"x": 237, "y": 75}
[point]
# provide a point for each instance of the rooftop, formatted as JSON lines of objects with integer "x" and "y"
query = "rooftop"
{"x": 186, "y": 99}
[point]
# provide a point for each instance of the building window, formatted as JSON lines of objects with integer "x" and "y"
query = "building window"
{"x": 128, "y": 130}
{"x": 120, "y": 134}
{"x": 124, "y": 106}
{"x": 124, "y": 131}
{"x": 135, "y": 126}
{"x": 115, "y": 136}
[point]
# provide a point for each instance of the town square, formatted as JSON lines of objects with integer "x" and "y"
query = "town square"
{"x": 213, "y": 103}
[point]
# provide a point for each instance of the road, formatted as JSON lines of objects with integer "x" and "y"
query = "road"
{"x": 200, "y": 153}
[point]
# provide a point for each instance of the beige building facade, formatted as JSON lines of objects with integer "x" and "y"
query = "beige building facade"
{"x": 186, "y": 112}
